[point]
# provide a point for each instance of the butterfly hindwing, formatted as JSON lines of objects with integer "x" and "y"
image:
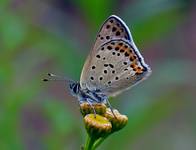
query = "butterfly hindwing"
{"x": 115, "y": 68}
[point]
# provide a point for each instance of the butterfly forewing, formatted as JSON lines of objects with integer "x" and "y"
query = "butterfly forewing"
{"x": 113, "y": 28}
{"x": 114, "y": 64}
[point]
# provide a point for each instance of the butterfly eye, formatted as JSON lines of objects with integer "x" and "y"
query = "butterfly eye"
{"x": 75, "y": 89}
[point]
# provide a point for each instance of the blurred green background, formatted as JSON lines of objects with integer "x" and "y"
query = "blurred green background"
{"x": 37, "y": 37}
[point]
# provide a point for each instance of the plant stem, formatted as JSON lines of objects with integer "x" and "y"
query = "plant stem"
{"x": 98, "y": 142}
{"x": 89, "y": 143}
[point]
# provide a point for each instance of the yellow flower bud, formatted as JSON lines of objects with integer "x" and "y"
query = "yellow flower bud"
{"x": 97, "y": 125}
{"x": 85, "y": 108}
{"x": 118, "y": 121}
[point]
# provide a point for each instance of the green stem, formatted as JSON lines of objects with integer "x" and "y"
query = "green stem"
{"x": 98, "y": 142}
{"x": 89, "y": 143}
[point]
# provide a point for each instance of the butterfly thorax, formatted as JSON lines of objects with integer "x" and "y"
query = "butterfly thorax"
{"x": 86, "y": 95}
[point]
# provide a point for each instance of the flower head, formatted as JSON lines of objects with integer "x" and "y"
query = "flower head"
{"x": 100, "y": 122}
{"x": 97, "y": 125}
{"x": 118, "y": 121}
{"x": 86, "y": 108}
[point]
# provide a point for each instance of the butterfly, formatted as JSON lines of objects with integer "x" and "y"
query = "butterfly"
{"x": 113, "y": 65}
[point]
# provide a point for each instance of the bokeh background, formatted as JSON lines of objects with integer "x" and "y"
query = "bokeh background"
{"x": 37, "y": 37}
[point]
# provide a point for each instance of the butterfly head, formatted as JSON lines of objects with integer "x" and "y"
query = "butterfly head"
{"x": 74, "y": 88}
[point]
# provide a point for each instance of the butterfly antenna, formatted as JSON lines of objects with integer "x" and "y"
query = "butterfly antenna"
{"x": 53, "y": 77}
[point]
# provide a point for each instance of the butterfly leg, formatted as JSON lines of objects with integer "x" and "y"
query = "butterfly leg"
{"x": 89, "y": 102}
{"x": 111, "y": 108}
{"x": 82, "y": 100}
